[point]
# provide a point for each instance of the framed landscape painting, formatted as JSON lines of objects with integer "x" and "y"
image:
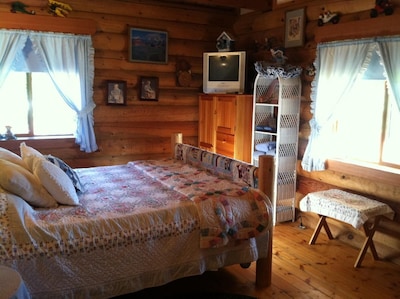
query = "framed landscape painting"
{"x": 147, "y": 45}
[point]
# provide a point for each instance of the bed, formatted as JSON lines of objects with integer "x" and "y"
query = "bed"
{"x": 113, "y": 230}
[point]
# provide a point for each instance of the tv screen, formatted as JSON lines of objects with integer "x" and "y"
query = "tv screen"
{"x": 224, "y": 72}
{"x": 223, "y": 68}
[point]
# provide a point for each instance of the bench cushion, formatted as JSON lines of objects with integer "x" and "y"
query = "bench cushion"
{"x": 344, "y": 206}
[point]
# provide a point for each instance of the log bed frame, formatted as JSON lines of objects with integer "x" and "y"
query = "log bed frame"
{"x": 265, "y": 176}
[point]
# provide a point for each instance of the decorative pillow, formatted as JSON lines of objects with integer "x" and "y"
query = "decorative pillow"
{"x": 71, "y": 173}
{"x": 19, "y": 181}
{"x": 28, "y": 151}
{"x": 56, "y": 182}
{"x": 5, "y": 154}
{"x": 266, "y": 146}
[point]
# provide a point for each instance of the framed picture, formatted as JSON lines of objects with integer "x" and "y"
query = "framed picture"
{"x": 294, "y": 28}
{"x": 148, "y": 88}
{"x": 116, "y": 92}
{"x": 148, "y": 45}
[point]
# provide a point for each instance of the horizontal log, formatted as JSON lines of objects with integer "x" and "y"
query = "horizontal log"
{"x": 46, "y": 23}
{"x": 127, "y": 130}
{"x": 381, "y": 26}
{"x": 155, "y": 11}
{"x": 145, "y": 113}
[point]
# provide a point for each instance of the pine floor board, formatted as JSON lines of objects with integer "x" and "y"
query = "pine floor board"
{"x": 324, "y": 270}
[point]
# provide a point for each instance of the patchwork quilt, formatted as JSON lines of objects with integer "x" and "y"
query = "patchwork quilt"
{"x": 132, "y": 204}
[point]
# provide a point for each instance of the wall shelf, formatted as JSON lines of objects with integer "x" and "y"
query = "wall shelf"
{"x": 379, "y": 26}
{"x": 47, "y": 23}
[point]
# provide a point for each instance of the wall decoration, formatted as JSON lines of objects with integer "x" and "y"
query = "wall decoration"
{"x": 294, "y": 28}
{"x": 116, "y": 92}
{"x": 327, "y": 16}
{"x": 148, "y": 88}
{"x": 382, "y": 7}
{"x": 183, "y": 72}
{"x": 149, "y": 46}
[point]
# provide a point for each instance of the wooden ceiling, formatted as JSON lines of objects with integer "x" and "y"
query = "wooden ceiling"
{"x": 257, "y": 5}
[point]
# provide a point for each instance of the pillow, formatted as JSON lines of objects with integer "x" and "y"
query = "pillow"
{"x": 266, "y": 146}
{"x": 56, "y": 182}
{"x": 68, "y": 171}
{"x": 28, "y": 151}
{"x": 19, "y": 181}
{"x": 5, "y": 154}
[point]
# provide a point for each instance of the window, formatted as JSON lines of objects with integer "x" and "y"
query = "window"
{"x": 34, "y": 106}
{"x": 60, "y": 78}
{"x": 355, "y": 104}
{"x": 365, "y": 126}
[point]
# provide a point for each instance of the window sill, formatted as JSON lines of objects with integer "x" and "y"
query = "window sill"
{"x": 377, "y": 173}
{"x": 41, "y": 143}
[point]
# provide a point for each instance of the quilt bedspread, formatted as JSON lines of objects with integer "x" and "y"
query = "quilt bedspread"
{"x": 227, "y": 209}
{"x": 123, "y": 206}
{"x": 119, "y": 208}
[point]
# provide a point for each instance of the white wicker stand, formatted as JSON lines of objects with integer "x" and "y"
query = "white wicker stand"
{"x": 276, "y": 117}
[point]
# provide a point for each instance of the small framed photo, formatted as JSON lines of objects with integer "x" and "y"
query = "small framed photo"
{"x": 149, "y": 46}
{"x": 148, "y": 88}
{"x": 294, "y": 28}
{"x": 116, "y": 92}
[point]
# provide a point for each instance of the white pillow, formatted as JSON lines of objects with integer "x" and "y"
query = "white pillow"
{"x": 70, "y": 172}
{"x": 266, "y": 146}
{"x": 19, "y": 181}
{"x": 56, "y": 181}
{"x": 28, "y": 151}
{"x": 11, "y": 157}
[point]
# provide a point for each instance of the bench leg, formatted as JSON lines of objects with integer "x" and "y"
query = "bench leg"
{"x": 369, "y": 233}
{"x": 322, "y": 223}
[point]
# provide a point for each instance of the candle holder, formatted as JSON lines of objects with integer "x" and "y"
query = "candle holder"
{"x": 9, "y": 135}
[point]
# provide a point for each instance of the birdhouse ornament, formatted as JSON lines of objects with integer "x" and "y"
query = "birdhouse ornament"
{"x": 225, "y": 42}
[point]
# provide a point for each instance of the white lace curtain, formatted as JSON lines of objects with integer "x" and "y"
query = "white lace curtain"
{"x": 338, "y": 64}
{"x": 69, "y": 60}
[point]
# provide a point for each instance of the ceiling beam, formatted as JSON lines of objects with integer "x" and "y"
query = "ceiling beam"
{"x": 257, "y": 5}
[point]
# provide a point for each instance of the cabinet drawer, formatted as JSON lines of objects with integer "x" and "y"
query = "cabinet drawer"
{"x": 225, "y": 144}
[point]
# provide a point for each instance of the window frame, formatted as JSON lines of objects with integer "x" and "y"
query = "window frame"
{"x": 366, "y": 28}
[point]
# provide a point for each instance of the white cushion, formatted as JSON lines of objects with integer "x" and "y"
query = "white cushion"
{"x": 19, "y": 181}
{"x": 266, "y": 146}
{"x": 56, "y": 181}
{"x": 70, "y": 172}
{"x": 11, "y": 157}
{"x": 28, "y": 151}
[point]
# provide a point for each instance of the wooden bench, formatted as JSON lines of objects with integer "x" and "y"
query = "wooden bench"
{"x": 356, "y": 210}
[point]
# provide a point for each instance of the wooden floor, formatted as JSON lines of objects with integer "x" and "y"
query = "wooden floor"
{"x": 324, "y": 270}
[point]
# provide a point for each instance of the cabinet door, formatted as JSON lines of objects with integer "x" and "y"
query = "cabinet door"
{"x": 207, "y": 123}
{"x": 226, "y": 114}
{"x": 225, "y": 144}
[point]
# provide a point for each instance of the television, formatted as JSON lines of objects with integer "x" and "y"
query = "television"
{"x": 224, "y": 72}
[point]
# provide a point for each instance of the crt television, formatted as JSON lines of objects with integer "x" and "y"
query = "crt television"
{"x": 224, "y": 72}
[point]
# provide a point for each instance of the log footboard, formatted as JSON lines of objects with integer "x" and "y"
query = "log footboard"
{"x": 265, "y": 176}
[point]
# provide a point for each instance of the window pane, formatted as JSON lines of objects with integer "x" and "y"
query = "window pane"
{"x": 14, "y": 104}
{"x": 391, "y": 146}
{"x": 51, "y": 115}
{"x": 359, "y": 122}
